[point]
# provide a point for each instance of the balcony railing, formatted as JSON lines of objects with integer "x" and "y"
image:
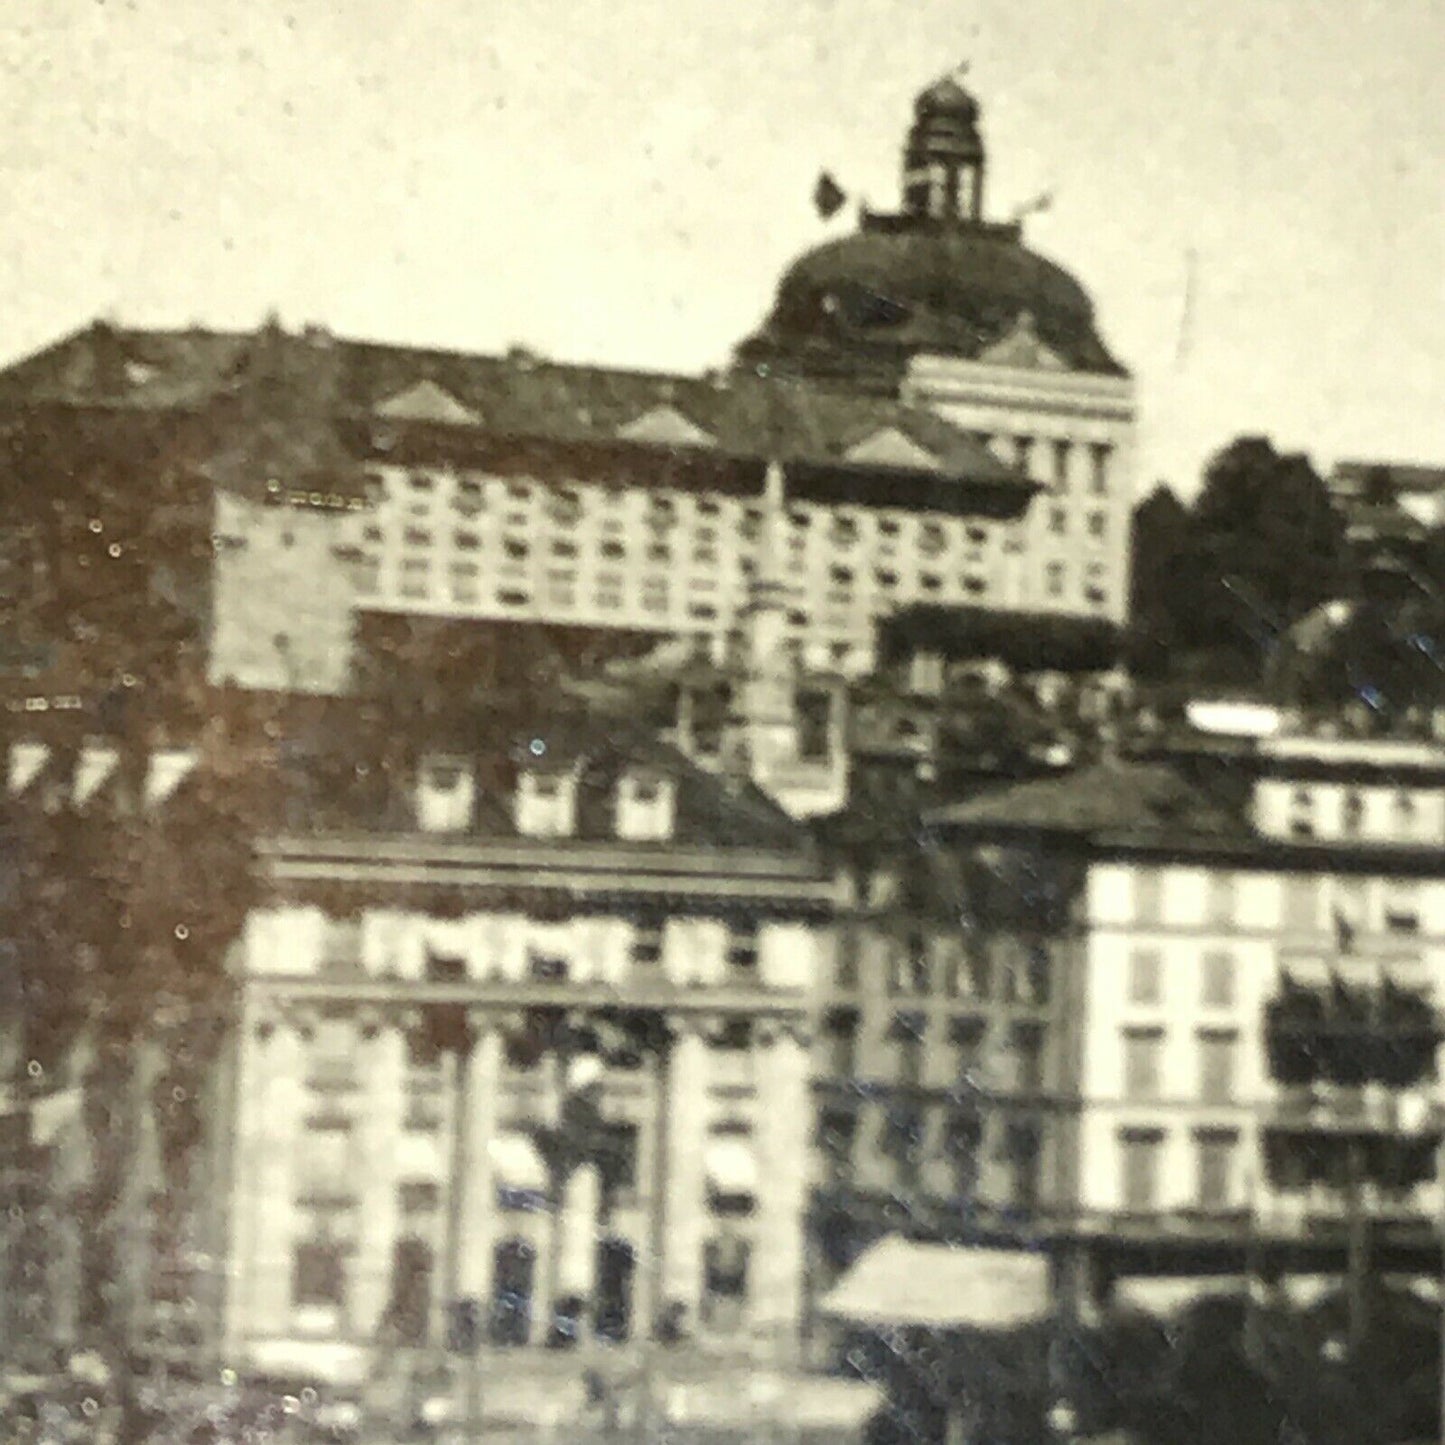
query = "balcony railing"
{"x": 1361, "y": 1112}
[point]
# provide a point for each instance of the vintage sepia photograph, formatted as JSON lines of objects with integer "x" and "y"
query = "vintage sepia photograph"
{"x": 722, "y": 724}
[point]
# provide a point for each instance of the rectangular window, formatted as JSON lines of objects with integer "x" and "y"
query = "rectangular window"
{"x": 1216, "y": 973}
{"x": 908, "y": 1035}
{"x": 1061, "y": 464}
{"x": 1301, "y": 818}
{"x": 1217, "y": 1051}
{"x": 903, "y": 1142}
{"x": 840, "y": 1038}
{"x": 1148, "y": 896}
{"x": 1058, "y": 521}
{"x": 1099, "y": 468}
{"x": 837, "y": 1130}
{"x": 648, "y": 941}
{"x": 1220, "y": 898}
{"x": 318, "y": 1274}
{"x": 1214, "y": 1179}
{"x": 962, "y": 1144}
{"x": 1402, "y": 909}
{"x": 1143, "y": 1063}
{"x": 1140, "y": 1152}
{"x": 1054, "y": 579}
{"x": 970, "y": 1040}
{"x": 725, "y": 1284}
{"x": 1146, "y": 977}
{"x": 1026, "y": 1044}
{"x": 1301, "y": 905}
{"x": 742, "y": 946}
{"x": 1098, "y": 524}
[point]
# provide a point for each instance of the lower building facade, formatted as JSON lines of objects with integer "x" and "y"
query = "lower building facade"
{"x": 492, "y": 1092}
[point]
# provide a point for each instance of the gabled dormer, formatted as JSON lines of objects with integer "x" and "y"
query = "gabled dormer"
{"x": 646, "y": 806}
{"x": 445, "y": 793}
{"x": 545, "y": 803}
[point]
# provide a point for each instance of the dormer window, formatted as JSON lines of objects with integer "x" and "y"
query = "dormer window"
{"x": 445, "y": 795}
{"x": 926, "y": 669}
{"x": 546, "y": 804}
{"x": 646, "y": 807}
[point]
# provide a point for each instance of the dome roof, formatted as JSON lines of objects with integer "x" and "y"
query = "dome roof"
{"x": 871, "y": 300}
{"x": 946, "y": 97}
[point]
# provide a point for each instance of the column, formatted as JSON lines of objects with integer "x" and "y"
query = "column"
{"x": 275, "y": 1222}
{"x": 546, "y": 1280}
{"x": 580, "y": 1205}
{"x": 378, "y": 1130}
{"x": 472, "y": 1185}
{"x": 783, "y": 1142}
{"x": 679, "y": 1171}
{"x": 248, "y": 1099}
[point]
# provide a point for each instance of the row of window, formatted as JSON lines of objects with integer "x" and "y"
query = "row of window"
{"x": 1001, "y": 970}
{"x": 1400, "y": 817}
{"x": 1096, "y": 524}
{"x": 1216, "y": 1054}
{"x": 1215, "y": 969}
{"x": 948, "y": 1151}
{"x": 320, "y": 1279}
{"x": 971, "y": 1053}
{"x": 1028, "y": 455}
{"x": 1306, "y": 902}
{"x": 566, "y": 507}
{"x": 1093, "y": 587}
{"x": 1141, "y": 1169}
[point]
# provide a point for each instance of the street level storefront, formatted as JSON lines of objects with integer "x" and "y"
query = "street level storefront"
{"x": 960, "y": 1339}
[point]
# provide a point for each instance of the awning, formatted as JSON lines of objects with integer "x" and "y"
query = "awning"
{"x": 517, "y": 1164}
{"x": 900, "y": 1282}
{"x": 731, "y": 1167}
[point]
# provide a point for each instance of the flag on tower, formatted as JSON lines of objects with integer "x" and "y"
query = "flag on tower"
{"x": 828, "y": 196}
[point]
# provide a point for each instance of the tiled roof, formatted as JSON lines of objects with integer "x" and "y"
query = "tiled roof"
{"x": 1111, "y": 797}
{"x": 318, "y": 376}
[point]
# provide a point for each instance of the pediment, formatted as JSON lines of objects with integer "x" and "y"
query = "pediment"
{"x": 666, "y": 426}
{"x": 889, "y": 447}
{"x": 426, "y": 401}
{"x": 1021, "y": 347}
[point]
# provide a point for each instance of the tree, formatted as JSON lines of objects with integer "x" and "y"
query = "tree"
{"x": 1266, "y": 547}
{"x": 104, "y": 549}
{"x": 119, "y": 915}
{"x": 1159, "y": 537}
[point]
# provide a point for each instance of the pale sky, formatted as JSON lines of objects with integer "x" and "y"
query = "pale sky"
{"x": 623, "y": 180}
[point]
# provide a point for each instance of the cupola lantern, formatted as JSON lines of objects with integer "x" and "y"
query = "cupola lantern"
{"x": 943, "y": 158}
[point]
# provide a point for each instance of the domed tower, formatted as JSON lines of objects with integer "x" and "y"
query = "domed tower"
{"x": 943, "y": 159}
{"x": 941, "y": 306}
{"x": 934, "y": 278}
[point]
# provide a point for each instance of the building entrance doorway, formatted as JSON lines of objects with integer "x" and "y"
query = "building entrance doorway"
{"x": 616, "y": 1266}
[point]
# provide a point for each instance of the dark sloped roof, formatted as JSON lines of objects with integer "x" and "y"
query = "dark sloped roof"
{"x": 740, "y": 417}
{"x": 900, "y": 286}
{"x": 1110, "y": 797}
{"x": 336, "y": 782}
